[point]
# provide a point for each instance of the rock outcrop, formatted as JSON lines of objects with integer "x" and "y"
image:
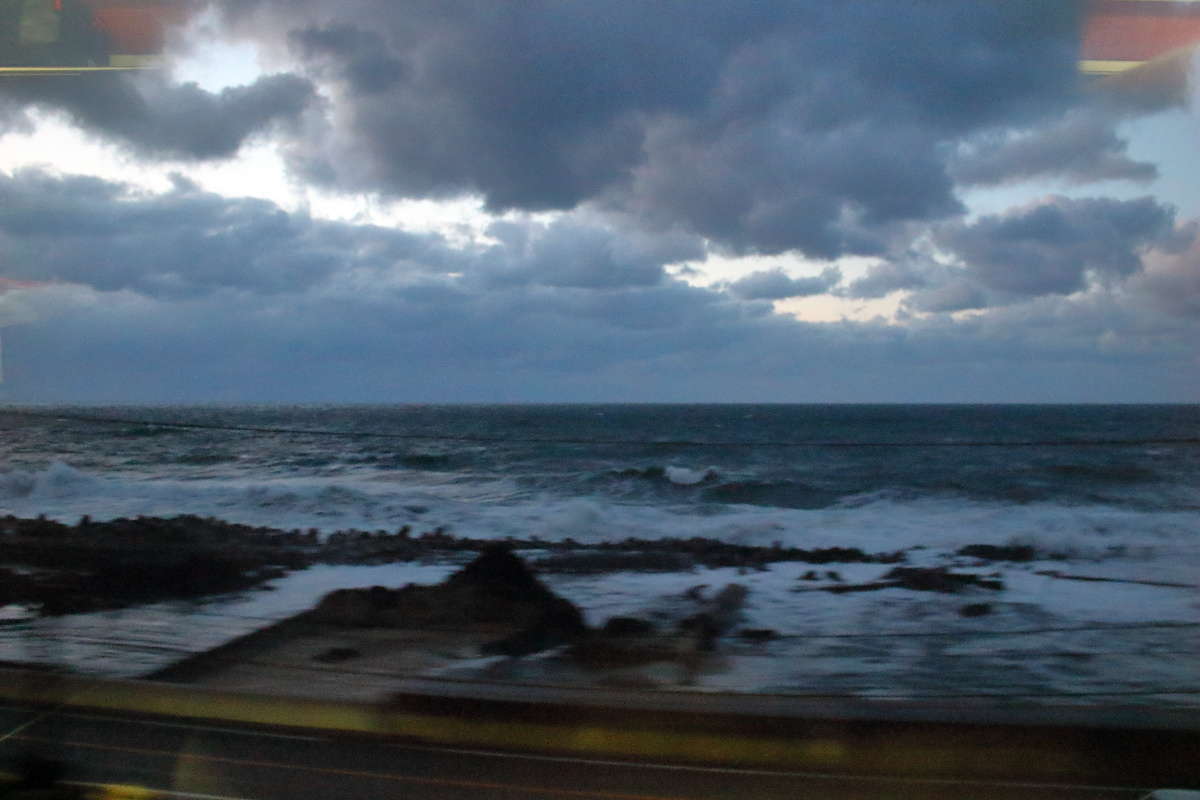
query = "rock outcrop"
{"x": 497, "y": 588}
{"x": 920, "y": 579}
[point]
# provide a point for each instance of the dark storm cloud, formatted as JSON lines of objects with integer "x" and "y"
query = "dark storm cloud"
{"x": 764, "y": 127}
{"x": 534, "y": 104}
{"x": 159, "y": 120}
{"x": 1053, "y": 247}
{"x": 775, "y": 284}
{"x": 1081, "y": 147}
{"x": 358, "y": 58}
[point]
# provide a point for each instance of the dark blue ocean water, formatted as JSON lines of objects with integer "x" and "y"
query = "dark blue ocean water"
{"x": 643, "y": 465}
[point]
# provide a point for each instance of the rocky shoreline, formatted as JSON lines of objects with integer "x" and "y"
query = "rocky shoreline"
{"x": 53, "y": 568}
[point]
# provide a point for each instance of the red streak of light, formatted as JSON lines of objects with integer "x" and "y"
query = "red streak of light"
{"x": 11, "y": 283}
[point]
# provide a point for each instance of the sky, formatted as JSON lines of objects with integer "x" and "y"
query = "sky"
{"x": 395, "y": 201}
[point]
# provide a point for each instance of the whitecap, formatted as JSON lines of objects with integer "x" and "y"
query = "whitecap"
{"x": 683, "y": 476}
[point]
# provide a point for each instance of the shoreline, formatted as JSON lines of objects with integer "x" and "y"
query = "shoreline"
{"x": 92, "y": 566}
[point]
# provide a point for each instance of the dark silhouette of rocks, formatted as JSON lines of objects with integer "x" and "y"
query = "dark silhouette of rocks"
{"x": 496, "y": 588}
{"x": 336, "y": 655}
{"x": 628, "y": 626}
{"x": 758, "y": 634}
{"x": 940, "y": 579}
{"x": 919, "y": 579}
{"x": 630, "y": 641}
{"x": 975, "y": 610}
{"x": 593, "y": 563}
{"x": 718, "y": 616}
{"x": 715, "y": 553}
{"x": 599, "y": 652}
{"x": 109, "y": 565}
{"x": 101, "y": 565}
{"x": 992, "y": 552}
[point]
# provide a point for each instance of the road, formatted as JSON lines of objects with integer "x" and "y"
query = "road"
{"x": 218, "y": 761}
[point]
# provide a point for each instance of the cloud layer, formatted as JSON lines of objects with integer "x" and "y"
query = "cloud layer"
{"x": 616, "y": 146}
{"x": 802, "y": 126}
{"x": 188, "y": 295}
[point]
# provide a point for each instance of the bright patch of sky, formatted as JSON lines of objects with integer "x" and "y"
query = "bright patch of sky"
{"x": 198, "y": 54}
{"x": 1169, "y": 140}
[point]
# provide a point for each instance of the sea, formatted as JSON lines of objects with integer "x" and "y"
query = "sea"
{"x": 1109, "y": 491}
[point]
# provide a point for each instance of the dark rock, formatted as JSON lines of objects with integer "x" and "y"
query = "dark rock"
{"x": 553, "y": 630}
{"x": 919, "y": 579}
{"x": 975, "y": 610}
{"x": 991, "y": 552}
{"x": 718, "y": 617}
{"x": 811, "y": 575}
{"x": 730, "y": 599}
{"x": 628, "y": 626}
{"x": 705, "y": 630}
{"x": 602, "y": 653}
{"x": 591, "y": 563}
{"x": 938, "y": 579}
{"x": 834, "y": 576}
{"x": 348, "y": 607}
{"x": 495, "y": 588}
{"x": 336, "y": 655}
{"x": 758, "y": 634}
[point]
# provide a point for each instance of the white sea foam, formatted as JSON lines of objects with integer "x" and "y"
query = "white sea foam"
{"x": 493, "y": 509}
{"x": 684, "y": 476}
{"x": 57, "y": 482}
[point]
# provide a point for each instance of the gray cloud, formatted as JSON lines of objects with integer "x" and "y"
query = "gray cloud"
{"x": 775, "y": 284}
{"x": 884, "y": 278}
{"x": 790, "y": 125}
{"x": 1171, "y": 282}
{"x": 159, "y": 120}
{"x": 432, "y": 339}
{"x": 668, "y": 342}
{"x": 1053, "y": 246}
{"x": 957, "y": 294}
{"x": 186, "y": 242}
{"x": 580, "y": 253}
{"x": 1082, "y": 147}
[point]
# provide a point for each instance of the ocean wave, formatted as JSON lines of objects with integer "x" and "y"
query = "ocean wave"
{"x": 670, "y": 473}
{"x": 66, "y": 493}
{"x": 1104, "y": 473}
{"x": 203, "y": 457}
{"x": 144, "y": 431}
{"x": 742, "y": 512}
{"x": 782, "y": 494}
{"x": 685, "y": 476}
{"x": 435, "y": 462}
{"x": 59, "y": 480}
